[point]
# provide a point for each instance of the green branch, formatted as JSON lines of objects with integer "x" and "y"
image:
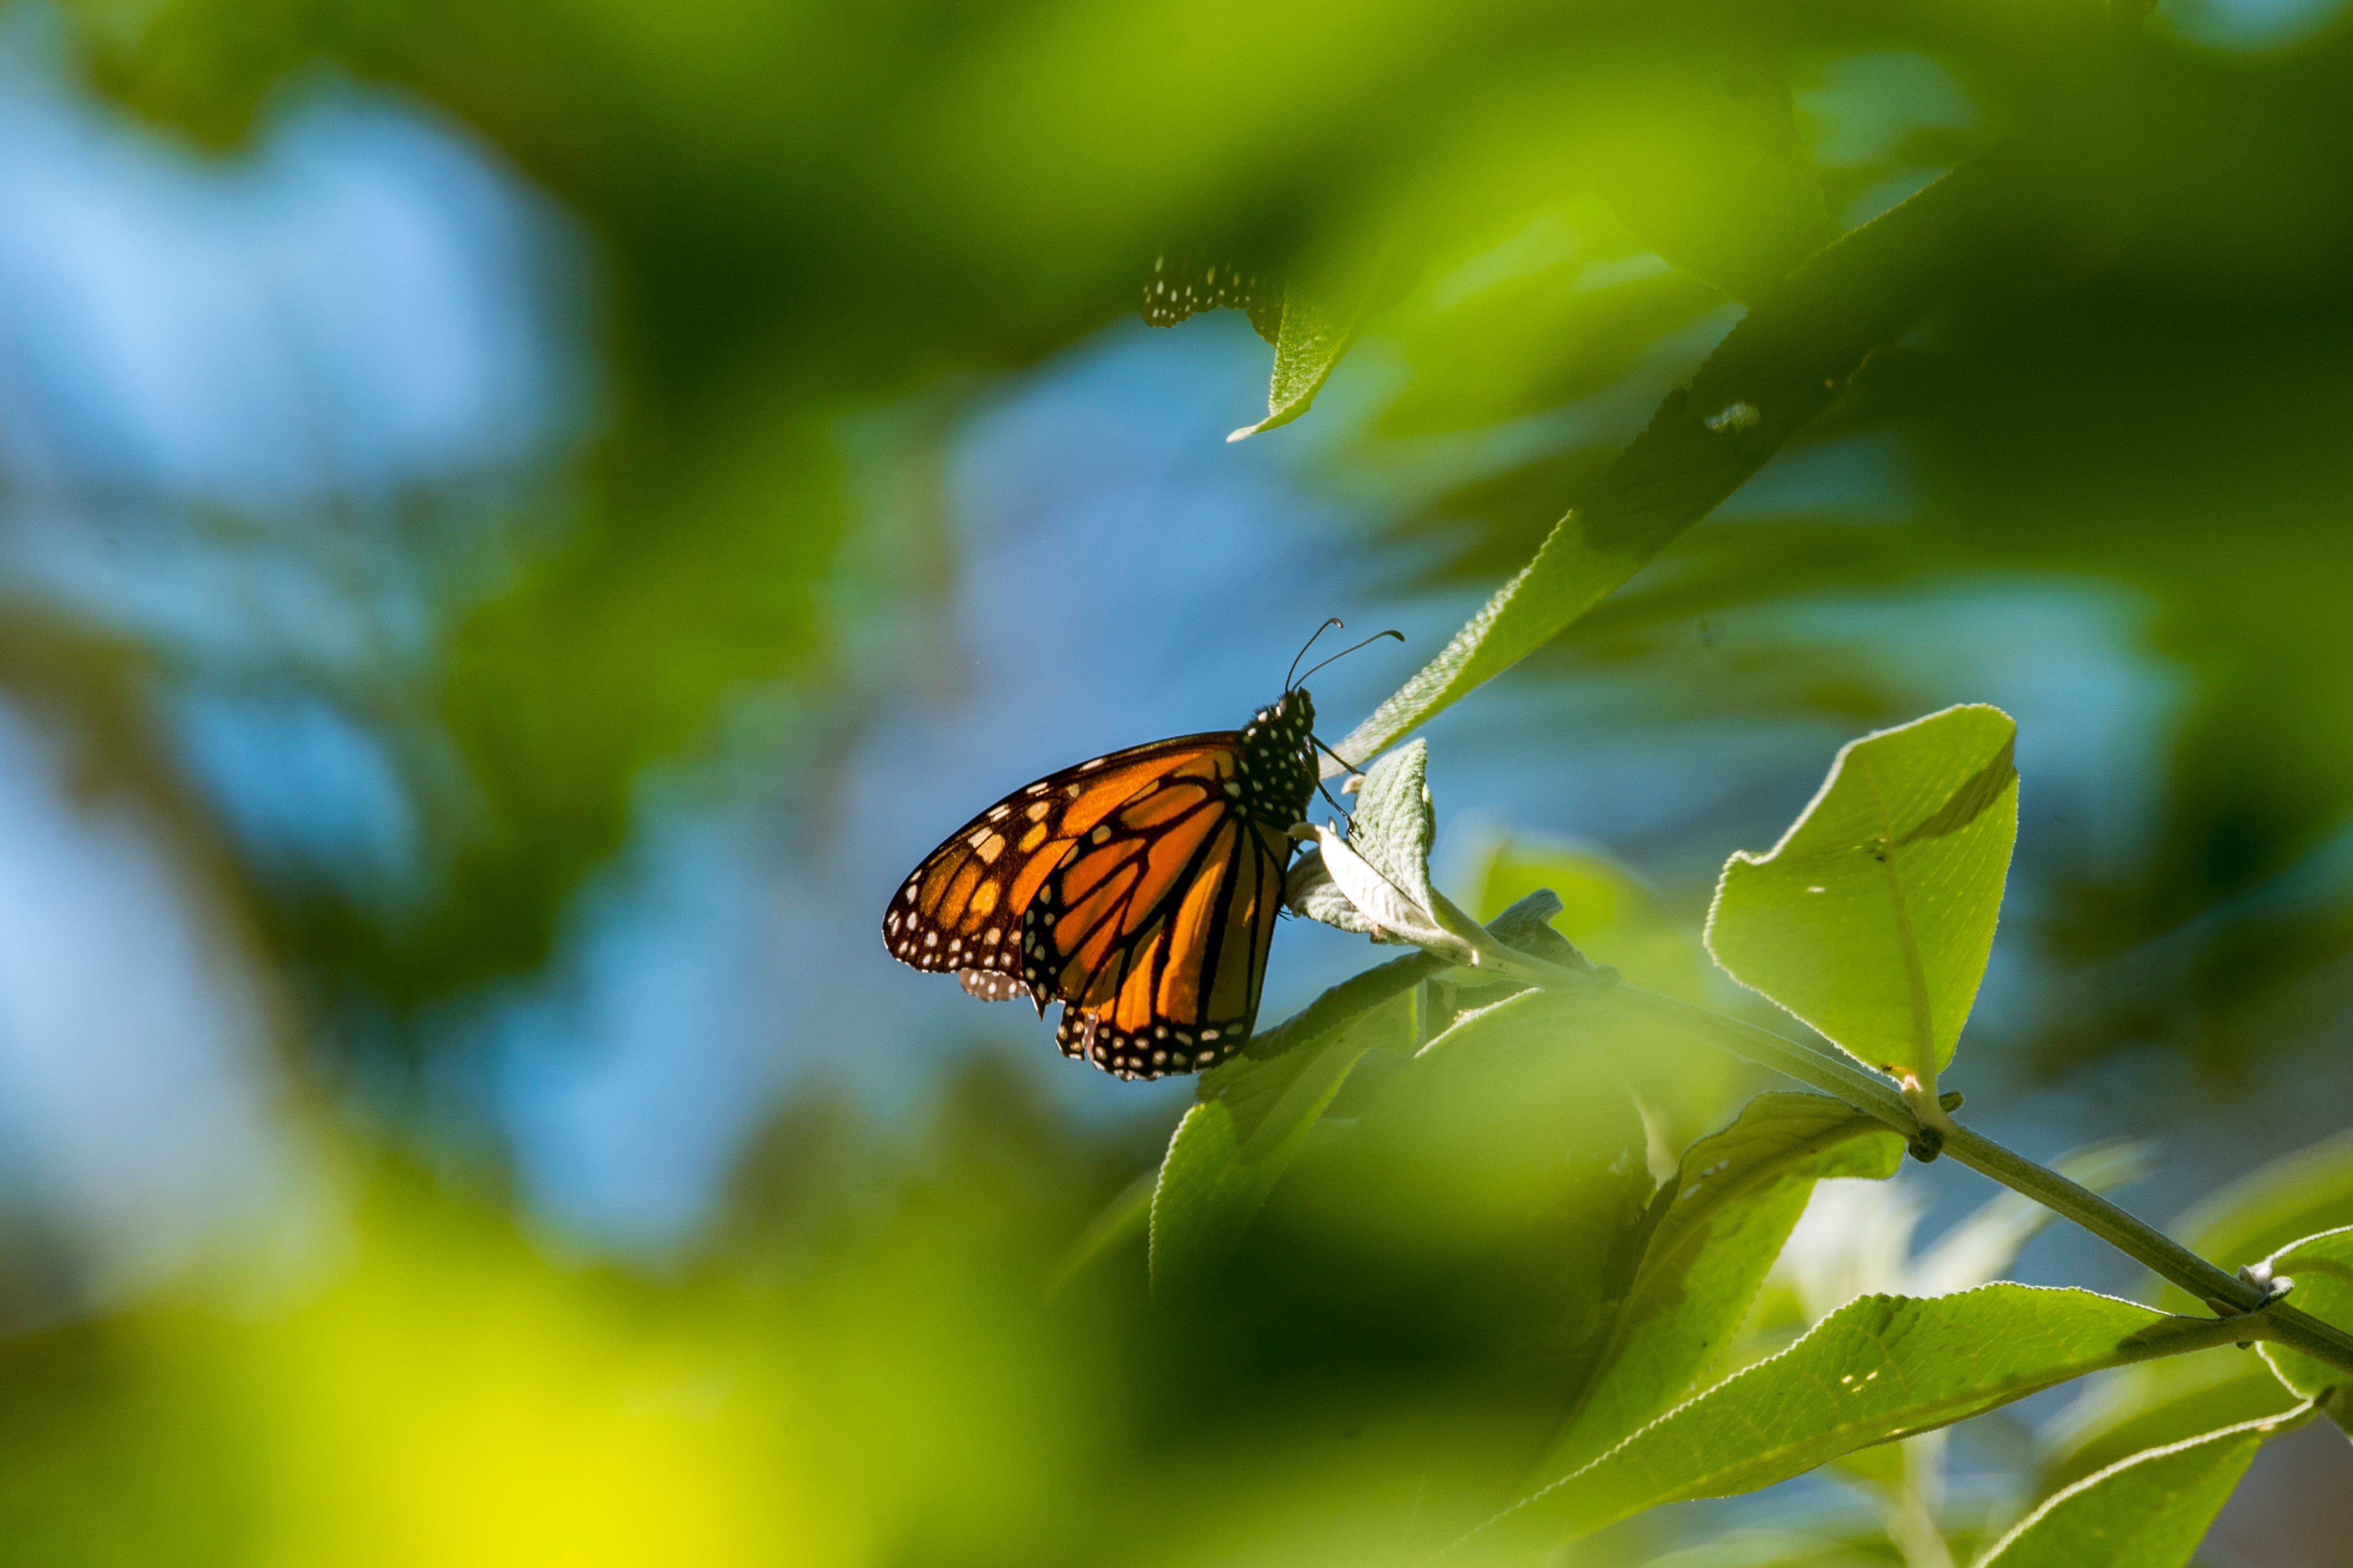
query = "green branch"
{"x": 1875, "y": 1095}
{"x": 1835, "y": 1073}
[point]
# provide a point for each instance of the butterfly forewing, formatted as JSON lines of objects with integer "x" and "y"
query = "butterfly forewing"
{"x": 961, "y": 909}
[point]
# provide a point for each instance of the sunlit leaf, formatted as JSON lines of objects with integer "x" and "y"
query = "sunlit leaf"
{"x": 1393, "y": 823}
{"x": 1376, "y": 880}
{"x": 1378, "y": 907}
{"x": 2155, "y": 1403}
{"x": 1737, "y": 1196}
{"x": 2149, "y": 1512}
{"x": 1312, "y": 894}
{"x": 1882, "y": 1367}
{"x": 1792, "y": 355}
{"x": 2322, "y": 1268}
{"x": 1321, "y": 319}
{"x": 1872, "y": 920}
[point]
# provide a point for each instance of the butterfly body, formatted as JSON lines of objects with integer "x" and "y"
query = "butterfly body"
{"x": 1139, "y": 889}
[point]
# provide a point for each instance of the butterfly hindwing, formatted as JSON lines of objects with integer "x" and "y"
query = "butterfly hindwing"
{"x": 1173, "y": 987}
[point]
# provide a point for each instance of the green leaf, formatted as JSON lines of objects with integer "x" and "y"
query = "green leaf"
{"x": 1376, "y": 905}
{"x": 1789, "y": 360}
{"x": 1377, "y": 880}
{"x": 1881, "y": 1367}
{"x": 2256, "y": 1218}
{"x": 2296, "y": 1194}
{"x": 1394, "y": 821}
{"x": 1873, "y": 918}
{"x": 1500, "y": 1176}
{"x": 1607, "y": 910}
{"x": 1319, "y": 322}
{"x": 1737, "y": 1196}
{"x": 1255, "y": 1109}
{"x": 2322, "y": 1268}
{"x": 2154, "y": 1403}
{"x": 2149, "y": 1512}
{"x": 1125, "y": 1216}
{"x": 1313, "y": 894}
{"x": 1715, "y": 178}
{"x": 1236, "y": 1142}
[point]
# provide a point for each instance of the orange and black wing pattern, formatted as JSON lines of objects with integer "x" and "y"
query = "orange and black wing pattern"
{"x": 1135, "y": 888}
{"x": 1154, "y": 930}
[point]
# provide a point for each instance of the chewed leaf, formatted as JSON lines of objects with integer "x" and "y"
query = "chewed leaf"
{"x": 1183, "y": 286}
{"x": 1872, "y": 919}
{"x": 1320, "y": 320}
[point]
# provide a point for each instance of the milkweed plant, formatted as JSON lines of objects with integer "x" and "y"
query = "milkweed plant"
{"x": 1722, "y": 1348}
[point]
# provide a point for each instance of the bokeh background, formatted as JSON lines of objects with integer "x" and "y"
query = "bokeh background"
{"x": 520, "y": 521}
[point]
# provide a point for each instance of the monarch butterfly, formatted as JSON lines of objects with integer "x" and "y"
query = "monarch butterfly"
{"x": 1139, "y": 889}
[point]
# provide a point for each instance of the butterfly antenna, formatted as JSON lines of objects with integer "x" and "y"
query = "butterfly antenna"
{"x": 1329, "y": 622}
{"x": 1343, "y": 653}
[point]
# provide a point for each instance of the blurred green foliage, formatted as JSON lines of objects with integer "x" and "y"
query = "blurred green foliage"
{"x": 808, "y": 214}
{"x": 2127, "y": 373}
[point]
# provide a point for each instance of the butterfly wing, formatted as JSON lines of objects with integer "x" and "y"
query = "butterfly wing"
{"x": 1135, "y": 888}
{"x": 1159, "y": 973}
{"x": 961, "y": 909}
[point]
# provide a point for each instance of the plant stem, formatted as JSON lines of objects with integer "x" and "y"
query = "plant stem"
{"x": 1835, "y": 1073}
{"x": 2146, "y": 1244}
